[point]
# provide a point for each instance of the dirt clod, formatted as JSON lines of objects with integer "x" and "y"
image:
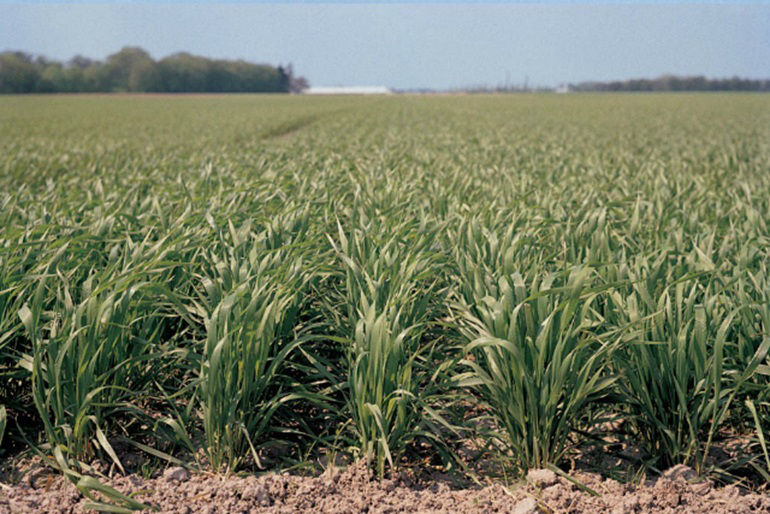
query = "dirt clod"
{"x": 542, "y": 477}
{"x": 681, "y": 472}
{"x": 177, "y": 474}
{"x": 526, "y": 506}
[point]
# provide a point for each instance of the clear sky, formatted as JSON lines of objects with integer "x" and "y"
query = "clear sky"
{"x": 437, "y": 45}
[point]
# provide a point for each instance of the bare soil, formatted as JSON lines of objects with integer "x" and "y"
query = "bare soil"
{"x": 354, "y": 490}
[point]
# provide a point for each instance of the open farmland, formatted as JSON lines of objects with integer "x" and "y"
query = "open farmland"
{"x": 473, "y": 285}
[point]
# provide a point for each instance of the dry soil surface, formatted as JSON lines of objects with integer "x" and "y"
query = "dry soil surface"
{"x": 354, "y": 490}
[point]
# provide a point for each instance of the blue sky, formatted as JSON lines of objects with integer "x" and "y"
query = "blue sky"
{"x": 438, "y": 45}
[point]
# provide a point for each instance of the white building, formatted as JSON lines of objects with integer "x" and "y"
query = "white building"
{"x": 348, "y": 90}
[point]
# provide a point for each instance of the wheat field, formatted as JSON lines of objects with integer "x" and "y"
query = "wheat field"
{"x": 205, "y": 279}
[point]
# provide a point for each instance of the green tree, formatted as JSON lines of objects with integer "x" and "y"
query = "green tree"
{"x": 18, "y": 73}
{"x": 131, "y": 69}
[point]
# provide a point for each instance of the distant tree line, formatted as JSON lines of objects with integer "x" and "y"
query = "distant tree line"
{"x": 132, "y": 69}
{"x": 674, "y": 83}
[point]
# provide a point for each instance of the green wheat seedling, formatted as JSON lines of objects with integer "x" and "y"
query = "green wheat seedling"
{"x": 89, "y": 362}
{"x": 536, "y": 363}
{"x": 389, "y": 293}
{"x": 675, "y": 379}
{"x": 3, "y": 422}
{"x": 250, "y": 302}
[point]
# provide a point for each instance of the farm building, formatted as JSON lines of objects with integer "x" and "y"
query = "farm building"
{"x": 349, "y": 90}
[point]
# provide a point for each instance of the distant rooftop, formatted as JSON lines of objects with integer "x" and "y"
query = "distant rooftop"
{"x": 348, "y": 90}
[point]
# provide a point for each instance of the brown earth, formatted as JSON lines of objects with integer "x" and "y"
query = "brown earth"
{"x": 354, "y": 490}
